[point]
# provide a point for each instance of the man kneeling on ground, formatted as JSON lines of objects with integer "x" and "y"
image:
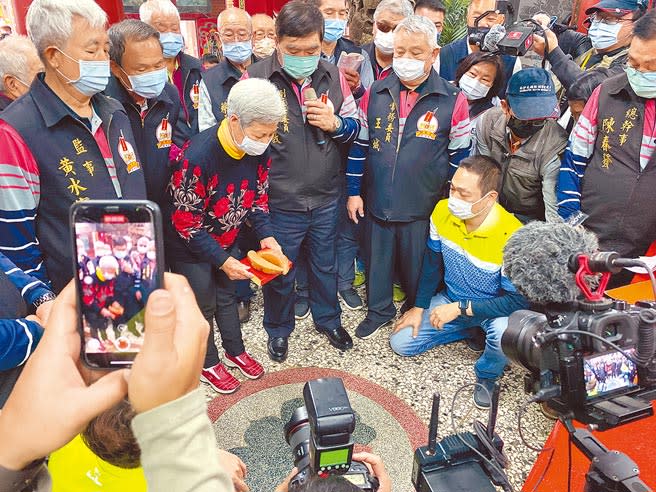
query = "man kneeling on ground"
{"x": 465, "y": 248}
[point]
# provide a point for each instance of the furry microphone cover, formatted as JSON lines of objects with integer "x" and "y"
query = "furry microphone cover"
{"x": 535, "y": 260}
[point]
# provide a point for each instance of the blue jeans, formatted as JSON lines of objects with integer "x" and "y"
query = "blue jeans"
{"x": 317, "y": 228}
{"x": 348, "y": 244}
{"x": 489, "y": 366}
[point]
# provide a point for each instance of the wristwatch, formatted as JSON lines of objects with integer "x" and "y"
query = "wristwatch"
{"x": 48, "y": 296}
{"x": 338, "y": 124}
{"x": 463, "y": 307}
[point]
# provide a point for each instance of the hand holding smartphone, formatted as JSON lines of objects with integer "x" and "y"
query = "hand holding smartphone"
{"x": 118, "y": 260}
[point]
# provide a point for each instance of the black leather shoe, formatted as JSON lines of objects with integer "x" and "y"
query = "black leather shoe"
{"x": 244, "y": 311}
{"x": 338, "y": 338}
{"x": 277, "y": 348}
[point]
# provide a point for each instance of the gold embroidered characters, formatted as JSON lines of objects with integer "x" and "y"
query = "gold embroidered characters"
{"x": 88, "y": 165}
{"x": 78, "y": 145}
{"x": 75, "y": 187}
{"x": 66, "y": 166}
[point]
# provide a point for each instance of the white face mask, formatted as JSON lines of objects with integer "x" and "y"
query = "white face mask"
{"x": 462, "y": 209}
{"x": 251, "y": 146}
{"x": 120, "y": 254}
{"x": 151, "y": 255}
{"x": 408, "y": 69}
{"x": 472, "y": 88}
{"x": 384, "y": 41}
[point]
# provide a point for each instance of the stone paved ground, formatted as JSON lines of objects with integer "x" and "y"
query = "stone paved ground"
{"x": 414, "y": 380}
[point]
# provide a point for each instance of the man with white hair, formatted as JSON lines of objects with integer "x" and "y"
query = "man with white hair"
{"x": 152, "y": 104}
{"x": 236, "y": 40}
{"x": 19, "y": 64}
{"x": 419, "y": 122}
{"x": 220, "y": 182}
{"x": 184, "y": 70}
{"x": 264, "y": 35}
{"x": 387, "y": 16}
{"x": 63, "y": 141}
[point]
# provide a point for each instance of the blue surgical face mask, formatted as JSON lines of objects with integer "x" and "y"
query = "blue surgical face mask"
{"x": 333, "y": 29}
{"x": 94, "y": 75}
{"x": 238, "y": 52}
{"x": 642, "y": 83}
{"x": 299, "y": 67}
{"x": 172, "y": 43}
{"x": 603, "y": 35}
{"x": 149, "y": 85}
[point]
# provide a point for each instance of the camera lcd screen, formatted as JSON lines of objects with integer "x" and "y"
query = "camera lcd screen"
{"x": 334, "y": 457}
{"x": 609, "y": 372}
{"x": 117, "y": 271}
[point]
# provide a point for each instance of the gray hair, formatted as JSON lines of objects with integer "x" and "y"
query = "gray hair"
{"x": 148, "y": 8}
{"x": 256, "y": 100}
{"x": 128, "y": 30}
{"x": 418, "y": 24}
{"x": 15, "y": 51}
{"x": 50, "y": 22}
{"x": 233, "y": 10}
{"x": 398, "y": 7}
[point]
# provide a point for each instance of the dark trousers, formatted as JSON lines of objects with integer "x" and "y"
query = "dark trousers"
{"x": 318, "y": 229}
{"x": 215, "y": 294}
{"x": 389, "y": 244}
{"x": 347, "y": 249}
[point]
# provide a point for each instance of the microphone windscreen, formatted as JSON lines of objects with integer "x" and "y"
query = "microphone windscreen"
{"x": 492, "y": 38}
{"x": 535, "y": 259}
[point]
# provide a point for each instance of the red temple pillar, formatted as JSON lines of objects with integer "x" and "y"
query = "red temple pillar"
{"x": 114, "y": 9}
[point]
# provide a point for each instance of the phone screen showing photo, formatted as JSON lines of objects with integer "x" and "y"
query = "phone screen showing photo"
{"x": 117, "y": 269}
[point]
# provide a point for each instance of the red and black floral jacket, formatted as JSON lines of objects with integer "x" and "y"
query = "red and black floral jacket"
{"x": 211, "y": 194}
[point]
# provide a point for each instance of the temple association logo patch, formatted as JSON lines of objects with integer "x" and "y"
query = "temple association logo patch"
{"x": 164, "y": 133}
{"x": 126, "y": 152}
{"x": 427, "y": 126}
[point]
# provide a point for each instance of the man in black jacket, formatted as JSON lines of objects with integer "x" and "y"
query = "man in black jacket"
{"x": 152, "y": 105}
{"x": 184, "y": 70}
{"x": 235, "y": 31}
{"x": 306, "y": 158}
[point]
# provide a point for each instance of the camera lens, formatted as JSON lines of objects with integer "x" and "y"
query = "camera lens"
{"x": 517, "y": 340}
{"x": 297, "y": 435}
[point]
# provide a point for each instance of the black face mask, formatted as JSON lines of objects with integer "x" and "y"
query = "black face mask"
{"x": 524, "y": 129}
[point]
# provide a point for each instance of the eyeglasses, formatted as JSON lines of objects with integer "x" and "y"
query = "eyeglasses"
{"x": 610, "y": 20}
{"x": 230, "y": 36}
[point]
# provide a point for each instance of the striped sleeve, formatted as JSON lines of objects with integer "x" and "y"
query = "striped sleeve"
{"x": 460, "y": 134}
{"x": 348, "y": 113}
{"x": 19, "y": 200}
{"x": 359, "y": 150}
{"x": 30, "y": 287}
{"x": 576, "y": 158}
{"x": 18, "y": 339}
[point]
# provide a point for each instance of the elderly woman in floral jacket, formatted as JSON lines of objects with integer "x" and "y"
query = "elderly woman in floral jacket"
{"x": 219, "y": 181}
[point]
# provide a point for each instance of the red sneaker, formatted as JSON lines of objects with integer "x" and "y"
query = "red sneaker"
{"x": 220, "y": 379}
{"x": 248, "y": 366}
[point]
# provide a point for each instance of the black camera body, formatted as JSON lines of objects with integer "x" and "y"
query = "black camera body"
{"x": 578, "y": 374}
{"x": 320, "y": 435}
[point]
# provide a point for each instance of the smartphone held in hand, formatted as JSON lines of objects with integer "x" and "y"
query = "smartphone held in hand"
{"x": 118, "y": 261}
